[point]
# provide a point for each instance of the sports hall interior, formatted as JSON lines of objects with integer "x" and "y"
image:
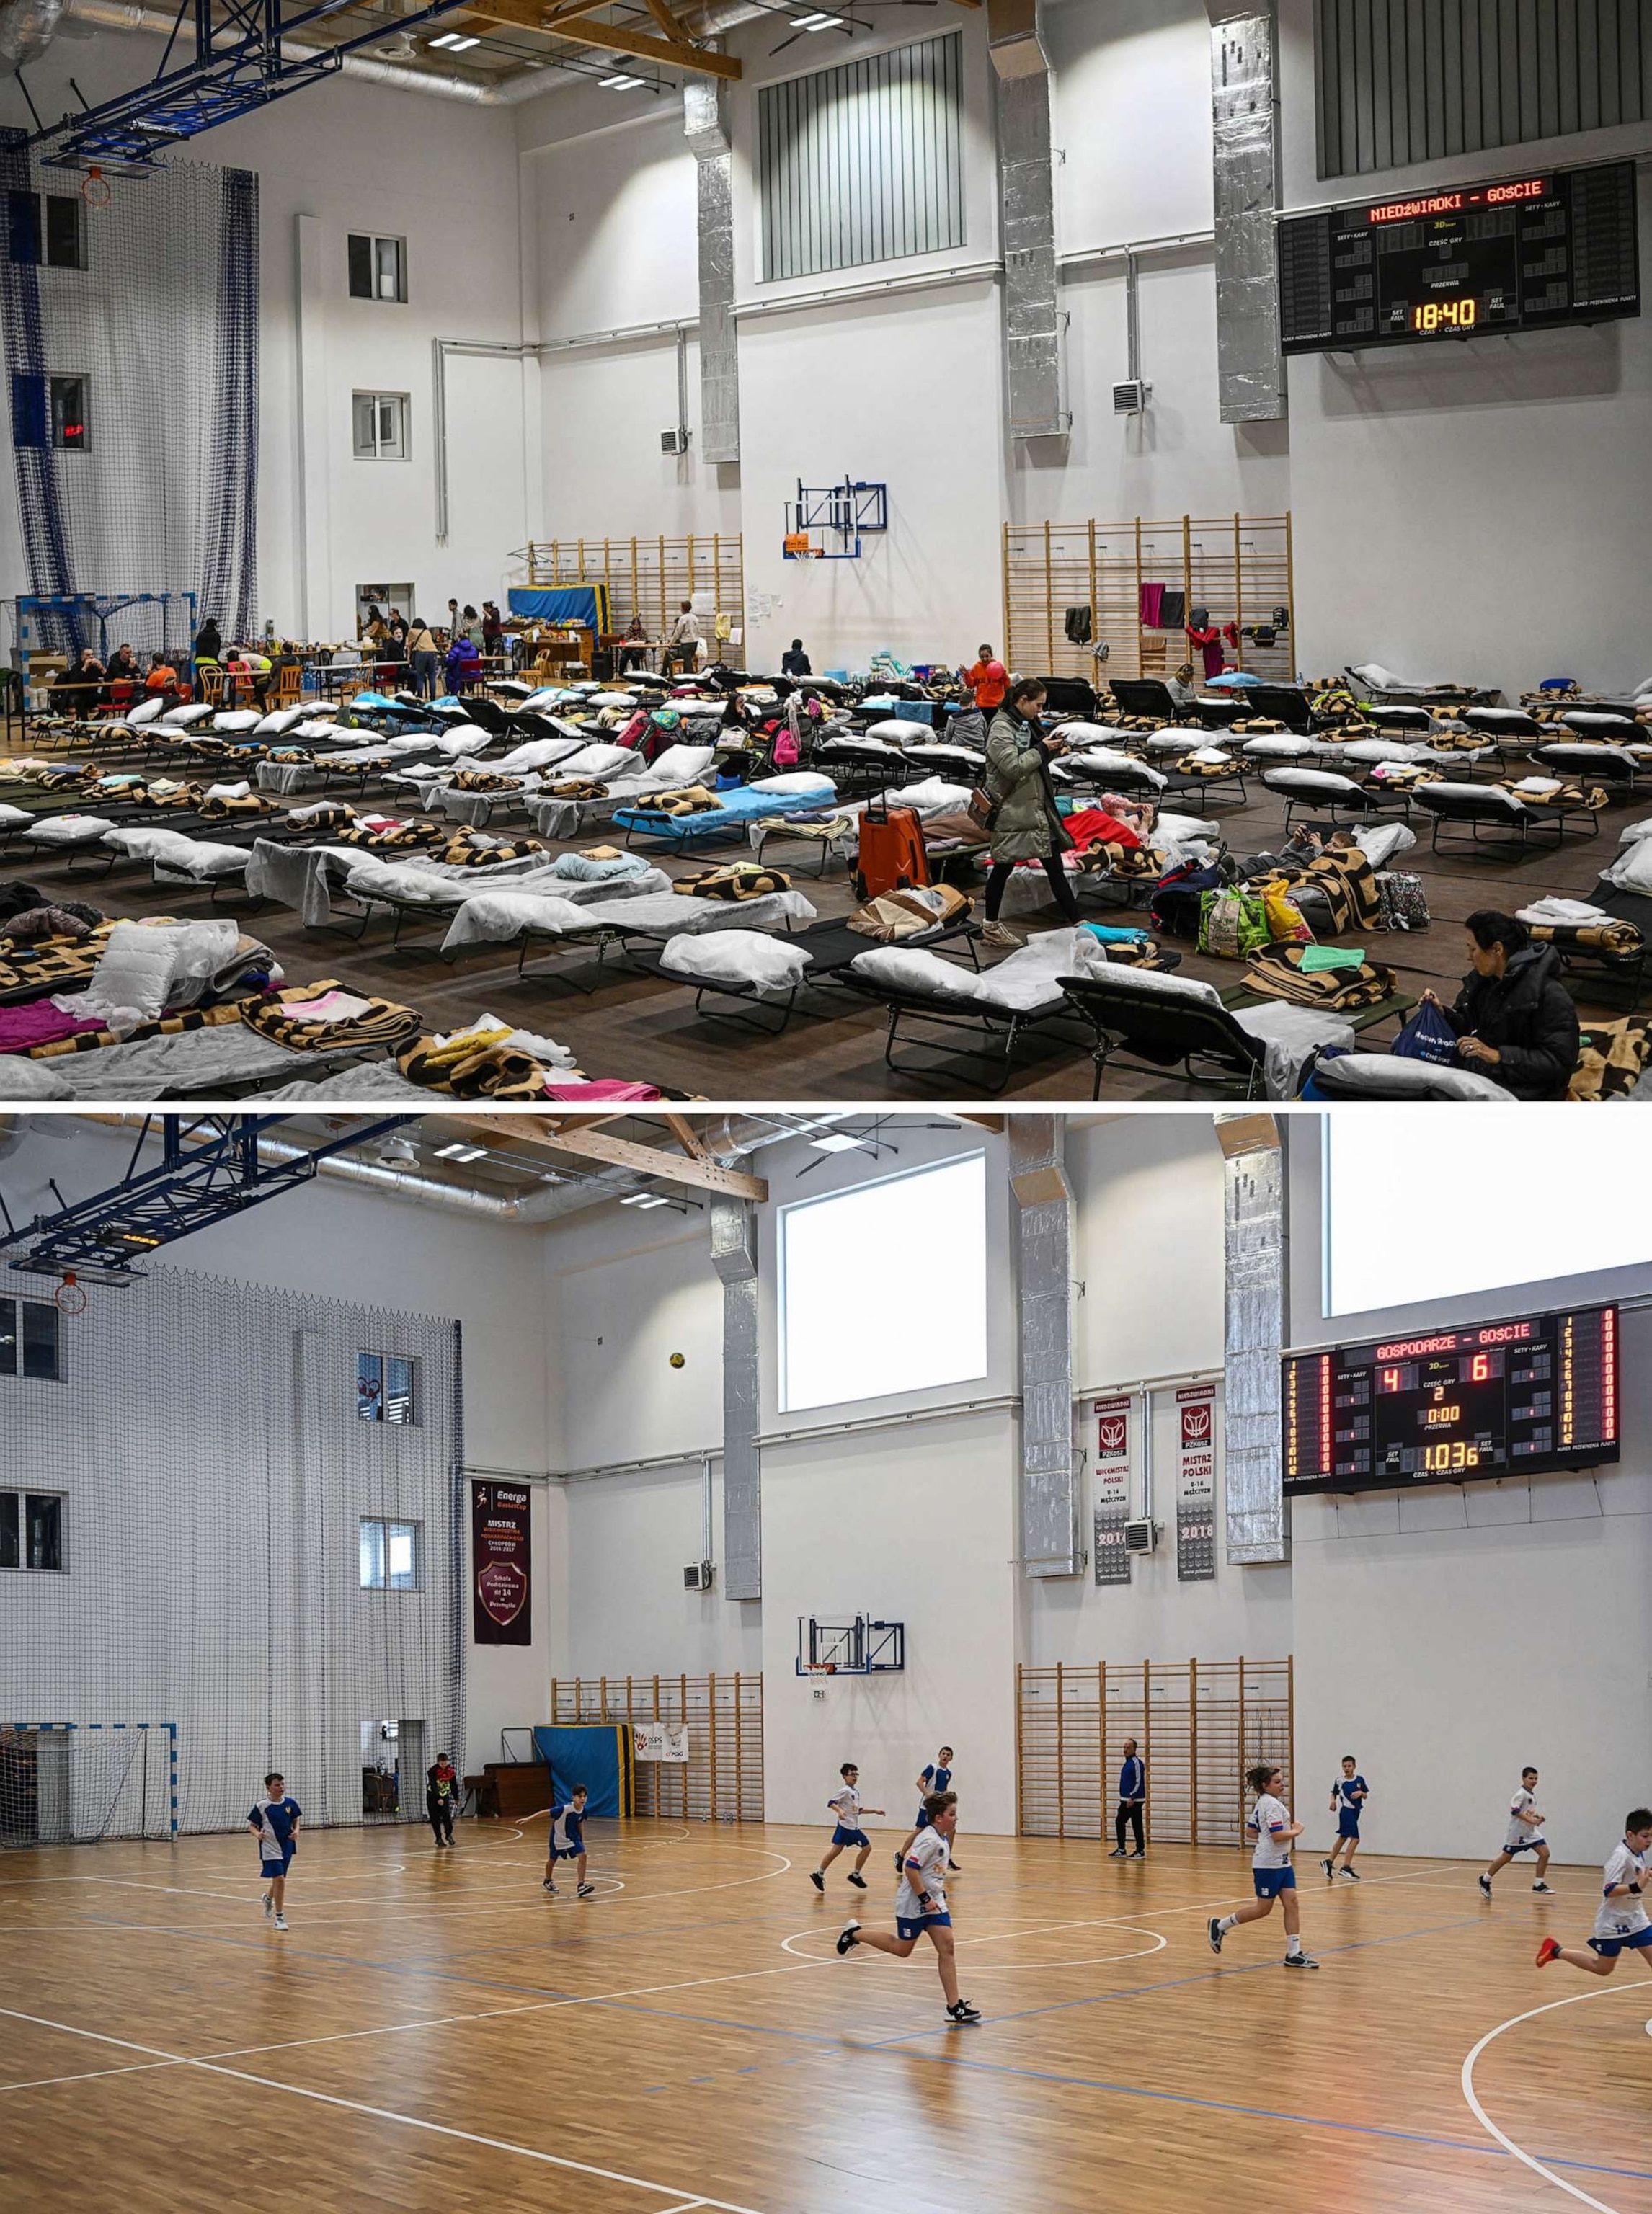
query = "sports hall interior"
{"x": 696, "y": 1456}
{"x": 594, "y": 317}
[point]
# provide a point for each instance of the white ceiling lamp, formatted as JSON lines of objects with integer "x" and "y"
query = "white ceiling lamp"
{"x": 644, "y": 1199}
{"x": 620, "y": 84}
{"x": 453, "y": 42}
{"x": 460, "y": 1153}
{"x": 819, "y": 21}
{"x": 839, "y": 1141}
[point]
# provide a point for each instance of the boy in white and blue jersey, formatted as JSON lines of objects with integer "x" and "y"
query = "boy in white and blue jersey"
{"x": 1621, "y": 1921}
{"x": 274, "y": 1821}
{"x": 1272, "y": 1876}
{"x": 1524, "y": 1835}
{"x": 936, "y": 1776}
{"x": 846, "y": 1804}
{"x": 920, "y": 1909}
{"x": 1348, "y": 1793}
{"x": 568, "y": 1841}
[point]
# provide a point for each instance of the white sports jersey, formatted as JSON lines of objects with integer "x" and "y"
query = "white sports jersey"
{"x": 845, "y": 1804}
{"x": 932, "y": 1853}
{"x": 1272, "y": 1852}
{"x": 1622, "y": 1917}
{"x": 1520, "y": 1833}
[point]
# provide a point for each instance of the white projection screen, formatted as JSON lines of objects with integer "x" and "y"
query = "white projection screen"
{"x": 1428, "y": 1203}
{"x": 884, "y": 1287}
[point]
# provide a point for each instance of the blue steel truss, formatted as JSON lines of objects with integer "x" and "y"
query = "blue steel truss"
{"x": 238, "y": 64}
{"x": 209, "y": 1170}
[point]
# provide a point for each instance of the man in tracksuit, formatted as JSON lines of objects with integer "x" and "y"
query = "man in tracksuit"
{"x": 1132, "y": 1796}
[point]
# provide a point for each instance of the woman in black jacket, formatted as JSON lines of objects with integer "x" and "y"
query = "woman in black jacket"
{"x": 1514, "y": 1018}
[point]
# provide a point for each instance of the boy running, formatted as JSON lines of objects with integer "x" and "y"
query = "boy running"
{"x": 1524, "y": 1834}
{"x": 1621, "y": 1922}
{"x": 936, "y": 1777}
{"x": 1348, "y": 1793}
{"x": 568, "y": 1841}
{"x": 274, "y": 1822}
{"x": 921, "y": 1905}
{"x": 846, "y": 1804}
{"x": 1271, "y": 1872}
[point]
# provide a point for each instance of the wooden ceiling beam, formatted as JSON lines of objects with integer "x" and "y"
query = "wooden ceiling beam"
{"x": 578, "y": 26}
{"x": 582, "y": 1143}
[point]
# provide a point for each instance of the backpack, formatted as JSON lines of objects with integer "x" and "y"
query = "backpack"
{"x": 1402, "y": 903}
{"x": 787, "y": 753}
{"x": 1233, "y": 923}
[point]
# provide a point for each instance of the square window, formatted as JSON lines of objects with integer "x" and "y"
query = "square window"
{"x": 390, "y": 1555}
{"x": 378, "y": 426}
{"x": 387, "y": 1389}
{"x": 65, "y": 231}
{"x": 377, "y": 266}
{"x": 29, "y": 1340}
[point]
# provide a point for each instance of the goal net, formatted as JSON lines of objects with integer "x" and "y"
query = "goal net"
{"x": 59, "y": 625}
{"x": 73, "y": 1783}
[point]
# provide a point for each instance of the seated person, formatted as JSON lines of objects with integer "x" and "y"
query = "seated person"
{"x": 464, "y": 663}
{"x": 633, "y": 648}
{"x": 1514, "y": 1018}
{"x": 80, "y": 689}
{"x": 123, "y": 667}
{"x": 796, "y": 662}
{"x": 162, "y": 678}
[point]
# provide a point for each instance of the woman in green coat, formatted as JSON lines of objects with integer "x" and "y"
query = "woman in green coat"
{"x": 1027, "y": 825}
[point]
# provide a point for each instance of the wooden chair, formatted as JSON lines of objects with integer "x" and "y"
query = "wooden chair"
{"x": 210, "y": 678}
{"x": 287, "y": 684}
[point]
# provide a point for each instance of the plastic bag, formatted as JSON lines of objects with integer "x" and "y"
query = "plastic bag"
{"x": 1233, "y": 924}
{"x": 1285, "y": 917}
{"x": 1428, "y": 1037}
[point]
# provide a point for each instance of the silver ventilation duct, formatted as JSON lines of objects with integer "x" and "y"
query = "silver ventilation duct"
{"x": 27, "y": 29}
{"x": 734, "y": 1257}
{"x": 1026, "y": 203}
{"x": 1049, "y": 1485}
{"x": 1253, "y": 1241}
{"x": 706, "y": 126}
{"x": 1250, "y": 367}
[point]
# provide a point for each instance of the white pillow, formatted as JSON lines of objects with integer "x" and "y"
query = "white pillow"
{"x": 907, "y": 968}
{"x": 1484, "y": 718}
{"x": 238, "y": 718}
{"x": 1629, "y": 836}
{"x": 1178, "y": 739}
{"x": 1157, "y": 984}
{"x": 771, "y": 966}
{"x": 1381, "y": 679}
{"x": 1281, "y": 749}
{"x": 147, "y": 711}
{"x": 71, "y": 829}
{"x": 184, "y": 719}
{"x": 1584, "y": 753}
{"x": 612, "y": 700}
{"x": 1103, "y": 758}
{"x": 1490, "y": 792}
{"x": 1388, "y": 1076}
{"x": 23, "y": 1079}
{"x": 1377, "y": 750}
{"x": 592, "y": 761}
{"x": 805, "y": 780}
{"x": 14, "y": 815}
{"x": 1591, "y": 718}
{"x": 130, "y": 982}
{"x": 1321, "y": 780}
{"x": 899, "y": 732}
{"x": 688, "y": 763}
{"x": 1632, "y": 871}
{"x": 1380, "y": 843}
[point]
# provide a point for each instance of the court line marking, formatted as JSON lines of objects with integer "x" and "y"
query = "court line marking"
{"x": 1471, "y": 2096}
{"x": 672, "y": 2191}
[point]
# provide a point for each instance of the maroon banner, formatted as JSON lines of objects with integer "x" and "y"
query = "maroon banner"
{"x": 501, "y": 1574}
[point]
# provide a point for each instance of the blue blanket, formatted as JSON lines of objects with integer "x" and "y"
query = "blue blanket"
{"x": 732, "y": 814}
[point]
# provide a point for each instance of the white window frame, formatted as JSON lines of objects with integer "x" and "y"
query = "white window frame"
{"x": 11, "y": 1316}
{"x": 374, "y": 1554}
{"x": 377, "y": 241}
{"x": 14, "y": 1503}
{"x": 415, "y": 1419}
{"x": 380, "y": 449}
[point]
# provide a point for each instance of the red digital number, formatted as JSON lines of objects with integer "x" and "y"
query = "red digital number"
{"x": 1479, "y": 1369}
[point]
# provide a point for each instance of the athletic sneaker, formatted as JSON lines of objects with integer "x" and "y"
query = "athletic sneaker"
{"x": 1301, "y": 1961}
{"x": 816, "y": 1879}
{"x": 1329, "y": 1870}
{"x": 1542, "y": 1886}
{"x": 280, "y": 1921}
{"x": 954, "y": 1868}
{"x": 269, "y": 1906}
{"x": 848, "y": 1936}
{"x": 900, "y": 1865}
{"x": 1485, "y": 1886}
{"x": 1117, "y": 1854}
{"x": 1000, "y": 933}
{"x": 586, "y": 1891}
{"x": 549, "y": 1888}
{"x": 1547, "y": 1951}
{"x": 858, "y": 1880}
{"x": 963, "y": 2011}
{"x": 1353, "y": 1875}
{"x": 1138, "y": 1856}
{"x": 1215, "y": 1932}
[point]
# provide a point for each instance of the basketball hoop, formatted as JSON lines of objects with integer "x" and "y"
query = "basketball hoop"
{"x": 94, "y": 189}
{"x": 69, "y": 1298}
{"x": 798, "y": 546}
{"x": 820, "y": 1668}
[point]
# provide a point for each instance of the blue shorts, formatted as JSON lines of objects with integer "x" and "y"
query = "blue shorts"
{"x": 1347, "y": 1822}
{"x": 566, "y": 1852}
{"x": 1526, "y": 1845}
{"x": 907, "y": 1927}
{"x": 920, "y": 1820}
{"x": 274, "y": 1864}
{"x": 1610, "y": 1948}
{"x": 842, "y": 1836}
{"x": 1270, "y": 1882}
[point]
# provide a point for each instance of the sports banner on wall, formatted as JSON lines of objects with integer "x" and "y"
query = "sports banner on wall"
{"x": 1112, "y": 1488}
{"x": 501, "y": 1573}
{"x": 1195, "y": 1482}
{"x": 660, "y": 1740}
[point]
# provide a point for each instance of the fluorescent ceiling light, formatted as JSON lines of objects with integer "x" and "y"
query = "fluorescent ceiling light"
{"x": 460, "y": 1153}
{"x": 818, "y": 21}
{"x": 454, "y": 43}
{"x": 644, "y": 1199}
{"x": 620, "y": 84}
{"x": 838, "y": 1141}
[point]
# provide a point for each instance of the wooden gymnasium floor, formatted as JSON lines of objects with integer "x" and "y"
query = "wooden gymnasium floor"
{"x": 434, "y": 2033}
{"x": 637, "y": 1026}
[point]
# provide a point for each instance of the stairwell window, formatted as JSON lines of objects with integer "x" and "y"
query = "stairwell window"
{"x": 379, "y": 426}
{"x": 378, "y": 266}
{"x": 387, "y": 1389}
{"x": 390, "y": 1555}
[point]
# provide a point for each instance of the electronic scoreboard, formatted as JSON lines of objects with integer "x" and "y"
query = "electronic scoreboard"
{"x": 1454, "y": 1406}
{"x": 1464, "y": 261}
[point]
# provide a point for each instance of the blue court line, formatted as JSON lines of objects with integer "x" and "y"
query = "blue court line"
{"x": 843, "y": 2046}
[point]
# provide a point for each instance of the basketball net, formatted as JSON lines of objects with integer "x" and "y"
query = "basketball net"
{"x": 94, "y": 189}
